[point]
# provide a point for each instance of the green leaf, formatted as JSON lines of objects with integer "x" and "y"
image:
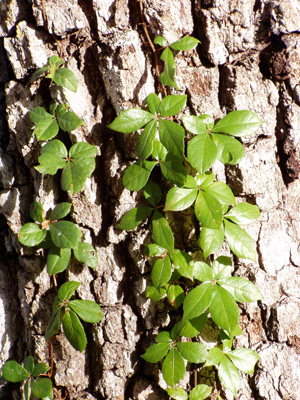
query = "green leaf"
{"x": 38, "y": 114}
{"x": 192, "y": 351}
{"x": 154, "y": 250}
{"x": 161, "y": 41}
{"x": 55, "y": 60}
{"x": 46, "y": 128}
{"x": 208, "y": 211}
{"x": 194, "y": 125}
{"x": 29, "y": 364}
{"x": 202, "y": 152}
{"x": 173, "y": 368}
{"x": 243, "y": 213}
{"x": 86, "y": 254}
{"x": 172, "y": 137}
{"x": 136, "y": 176}
{"x": 161, "y": 231}
{"x": 38, "y": 73}
{"x": 57, "y": 260}
{"x": 152, "y": 193}
{"x": 244, "y": 359}
{"x": 47, "y": 242}
{"x": 53, "y": 107}
{"x": 69, "y": 121}
{"x": 161, "y": 272}
{"x": 65, "y": 234}
{"x": 75, "y": 174}
{"x": 82, "y": 150}
{"x": 224, "y": 310}
{"x": 241, "y": 289}
{"x": 172, "y": 105}
{"x": 229, "y": 376}
{"x": 31, "y": 235}
{"x": 60, "y": 211}
{"x": 181, "y": 262}
{"x": 205, "y": 179}
{"x": 53, "y": 156}
{"x": 202, "y": 271}
{"x": 230, "y": 150}
{"x": 215, "y": 356}
{"x": 163, "y": 337}
{"x": 239, "y": 241}
{"x": 192, "y": 327}
{"x": 175, "y": 295}
{"x": 153, "y": 102}
{"x": 173, "y": 170}
{"x": 65, "y": 78}
{"x": 190, "y": 183}
{"x": 37, "y": 211}
{"x": 177, "y": 394}
{"x": 54, "y": 324}
{"x": 131, "y": 120}
{"x": 200, "y": 392}
{"x": 40, "y": 368}
{"x": 146, "y": 140}
{"x": 197, "y": 301}
{"x": 132, "y": 218}
{"x": 156, "y": 352}
{"x": 186, "y": 43}
{"x": 159, "y": 151}
{"x": 210, "y": 240}
{"x": 155, "y": 294}
{"x": 220, "y": 191}
{"x": 61, "y": 110}
{"x": 239, "y": 123}
{"x": 42, "y": 387}
{"x": 67, "y": 289}
{"x": 179, "y": 199}
{"x": 14, "y": 372}
{"x": 167, "y": 77}
{"x": 74, "y": 330}
{"x": 222, "y": 267}
{"x": 87, "y": 310}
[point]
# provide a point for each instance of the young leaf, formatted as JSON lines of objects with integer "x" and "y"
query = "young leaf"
{"x": 87, "y": 310}
{"x": 192, "y": 327}
{"x": 172, "y": 105}
{"x": 55, "y": 60}
{"x": 175, "y": 295}
{"x": 38, "y": 73}
{"x": 136, "y": 176}
{"x": 240, "y": 243}
{"x": 241, "y": 289}
{"x": 229, "y": 376}
{"x": 31, "y": 235}
{"x": 153, "y": 102}
{"x": 69, "y": 121}
{"x": 220, "y": 191}
{"x": 173, "y": 368}
{"x": 202, "y": 271}
{"x": 131, "y": 120}
{"x": 192, "y": 351}
{"x": 243, "y": 213}
{"x": 167, "y": 77}
{"x": 46, "y": 128}
{"x": 172, "y": 137}
{"x": 224, "y": 310}
{"x": 54, "y": 324}
{"x": 37, "y": 211}
{"x": 38, "y": 114}
{"x": 156, "y": 352}
{"x": 60, "y": 211}
{"x": 53, "y": 107}
{"x": 154, "y": 250}
{"x": 14, "y": 372}
{"x": 132, "y": 218}
{"x": 161, "y": 41}
{"x": 186, "y": 43}
{"x": 179, "y": 199}
{"x": 163, "y": 337}
{"x": 177, "y": 394}
{"x": 208, "y": 210}
{"x": 197, "y": 301}
{"x": 161, "y": 272}
{"x": 145, "y": 144}
{"x": 238, "y": 123}
{"x": 210, "y": 240}
{"x": 65, "y": 234}
{"x": 74, "y": 330}
{"x": 173, "y": 170}
{"x": 42, "y": 387}
{"x": 86, "y": 254}
{"x": 40, "y": 368}
{"x": 155, "y": 294}
{"x": 200, "y": 392}
{"x": 53, "y": 156}
{"x": 194, "y": 124}
{"x": 202, "y": 152}
{"x": 244, "y": 359}
{"x": 65, "y": 78}
{"x": 181, "y": 261}
{"x": 58, "y": 260}
{"x": 29, "y": 364}
{"x": 67, "y": 289}
{"x": 161, "y": 231}
{"x": 152, "y": 193}
{"x": 222, "y": 267}
{"x": 230, "y": 150}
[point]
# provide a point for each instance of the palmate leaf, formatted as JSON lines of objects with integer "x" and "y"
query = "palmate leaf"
{"x": 14, "y": 372}
{"x": 202, "y": 271}
{"x": 53, "y": 157}
{"x": 86, "y": 254}
{"x": 65, "y": 78}
{"x": 229, "y": 375}
{"x": 67, "y": 289}
{"x": 197, "y": 301}
{"x": 163, "y": 337}
{"x": 239, "y": 241}
{"x": 161, "y": 41}
{"x": 241, "y": 289}
{"x": 230, "y": 150}
{"x": 172, "y": 137}
{"x": 136, "y": 176}
{"x": 172, "y": 105}
{"x": 46, "y": 128}
{"x": 161, "y": 272}
{"x": 154, "y": 250}
{"x": 31, "y": 235}
{"x": 58, "y": 260}
{"x": 65, "y": 234}
{"x": 146, "y": 140}
{"x": 179, "y": 199}
{"x": 222, "y": 267}
{"x": 243, "y": 213}
{"x": 156, "y": 352}
{"x": 40, "y": 368}
{"x": 74, "y": 330}
{"x": 38, "y": 73}
{"x": 244, "y": 359}
{"x": 87, "y": 310}
{"x": 210, "y": 240}
{"x": 167, "y": 77}
{"x": 186, "y": 43}
{"x": 132, "y": 218}
{"x": 238, "y": 123}
{"x": 159, "y": 151}
{"x": 38, "y": 114}
{"x": 131, "y": 120}
{"x": 173, "y": 368}
{"x": 202, "y": 152}
{"x": 193, "y": 352}
{"x": 161, "y": 231}
{"x": 42, "y": 388}
{"x": 208, "y": 210}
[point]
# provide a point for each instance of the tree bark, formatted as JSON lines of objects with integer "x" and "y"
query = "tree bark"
{"x": 248, "y": 59}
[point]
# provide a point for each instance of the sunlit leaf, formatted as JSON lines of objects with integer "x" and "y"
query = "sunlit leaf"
{"x": 69, "y": 121}
{"x": 202, "y": 152}
{"x": 87, "y": 310}
{"x": 220, "y": 191}
{"x": 41, "y": 387}
{"x": 161, "y": 272}
{"x": 65, "y": 234}
{"x": 208, "y": 211}
{"x": 65, "y": 78}
{"x": 230, "y": 150}
{"x": 58, "y": 260}
{"x": 136, "y": 176}
{"x": 161, "y": 231}
{"x": 197, "y": 301}
{"x": 229, "y": 376}
{"x": 173, "y": 368}
{"x": 74, "y": 330}
{"x": 175, "y": 295}
{"x": 239, "y": 241}
{"x": 194, "y": 124}
{"x": 145, "y": 143}
{"x": 132, "y": 218}
{"x": 86, "y": 254}
{"x": 186, "y": 43}
{"x": 60, "y": 211}
{"x": 200, "y": 392}
{"x": 153, "y": 102}
{"x": 244, "y": 359}
{"x": 179, "y": 199}
{"x": 14, "y": 372}
{"x": 243, "y": 213}
{"x": 241, "y": 289}
{"x": 31, "y": 235}
{"x": 67, "y": 289}
{"x": 172, "y": 137}
{"x": 172, "y": 105}
{"x": 238, "y": 123}
{"x": 167, "y": 77}
{"x": 131, "y": 120}
{"x": 156, "y": 352}
{"x": 192, "y": 351}
{"x": 210, "y": 240}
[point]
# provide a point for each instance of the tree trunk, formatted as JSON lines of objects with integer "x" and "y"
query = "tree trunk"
{"x": 248, "y": 59}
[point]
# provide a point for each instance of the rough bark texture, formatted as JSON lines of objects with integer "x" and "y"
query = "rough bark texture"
{"x": 248, "y": 59}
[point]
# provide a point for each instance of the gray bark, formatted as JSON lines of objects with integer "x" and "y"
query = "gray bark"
{"x": 248, "y": 59}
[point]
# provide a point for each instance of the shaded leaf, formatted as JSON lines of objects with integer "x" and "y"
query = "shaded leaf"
{"x": 155, "y": 294}
{"x": 167, "y": 77}
{"x": 173, "y": 170}
{"x": 131, "y": 120}
{"x": 161, "y": 231}
{"x": 29, "y": 364}
{"x": 175, "y": 295}
{"x": 38, "y": 73}
{"x": 161, "y": 272}
{"x": 65, "y": 234}
{"x": 136, "y": 176}
{"x": 152, "y": 193}
{"x": 38, "y": 114}
{"x": 41, "y": 387}
{"x": 31, "y": 235}
{"x": 14, "y": 372}
{"x": 159, "y": 151}
{"x": 132, "y": 218}
{"x": 173, "y": 368}
{"x": 54, "y": 324}
{"x": 156, "y": 352}
{"x": 37, "y": 211}
{"x": 60, "y": 211}
{"x": 58, "y": 260}
{"x": 238, "y": 123}
{"x": 74, "y": 330}
{"x": 192, "y": 327}
{"x": 146, "y": 139}
{"x": 69, "y": 121}
{"x": 40, "y": 368}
